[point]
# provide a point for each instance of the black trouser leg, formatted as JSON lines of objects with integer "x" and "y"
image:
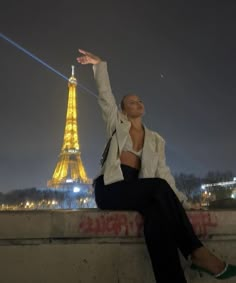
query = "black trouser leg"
{"x": 163, "y": 225}
{"x": 162, "y": 248}
{"x": 169, "y": 205}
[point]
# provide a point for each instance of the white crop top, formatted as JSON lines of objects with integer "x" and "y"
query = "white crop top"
{"x": 129, "y": 147}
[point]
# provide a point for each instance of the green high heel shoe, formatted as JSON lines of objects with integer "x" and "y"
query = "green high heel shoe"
{"x": 228, "y": 272}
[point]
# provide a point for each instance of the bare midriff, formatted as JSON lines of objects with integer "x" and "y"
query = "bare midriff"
{"x": 130, "y": 159}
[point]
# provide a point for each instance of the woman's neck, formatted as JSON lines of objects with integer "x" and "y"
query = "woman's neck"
{"x": 136, "y": 123}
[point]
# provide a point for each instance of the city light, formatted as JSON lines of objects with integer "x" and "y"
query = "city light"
{"x": 229, "y": 183}
{"x": 76, "y": 190}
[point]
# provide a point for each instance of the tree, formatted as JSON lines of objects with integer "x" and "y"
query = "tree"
{"x": 217, "y": 176}
{"x": 190, "y": 185}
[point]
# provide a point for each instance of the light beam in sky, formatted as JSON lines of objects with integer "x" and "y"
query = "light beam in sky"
{"x": 42, "y": 62}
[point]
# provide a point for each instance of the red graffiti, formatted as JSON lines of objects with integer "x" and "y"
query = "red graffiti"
{"x": 118, "y": 224}
{"x": 202, "y": 221}
{"x": 125, "y": 224}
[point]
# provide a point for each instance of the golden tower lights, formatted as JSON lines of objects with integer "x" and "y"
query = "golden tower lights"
{"x": 69, "y": 169}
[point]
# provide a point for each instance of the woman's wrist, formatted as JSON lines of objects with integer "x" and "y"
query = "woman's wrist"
{"x": 98, "y": 61}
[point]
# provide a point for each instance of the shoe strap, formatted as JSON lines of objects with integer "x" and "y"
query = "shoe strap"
{"x": 223, "y": 271}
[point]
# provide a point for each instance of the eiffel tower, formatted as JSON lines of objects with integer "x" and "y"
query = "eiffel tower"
{"x": 69, "y": 171}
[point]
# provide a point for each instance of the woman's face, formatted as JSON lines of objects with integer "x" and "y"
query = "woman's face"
{"x": 133, "y": 106}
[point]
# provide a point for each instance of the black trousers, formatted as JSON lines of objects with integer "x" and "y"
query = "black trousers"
{"x": 166, "y": 225}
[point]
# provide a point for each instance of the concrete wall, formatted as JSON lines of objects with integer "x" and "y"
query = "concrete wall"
{"x": 95, "y": 246}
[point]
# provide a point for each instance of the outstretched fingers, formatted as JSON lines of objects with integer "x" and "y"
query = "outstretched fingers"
{"x": 82, "y": 51}
{"x": 87, "y": 58}
{"x": 81, "y": 60}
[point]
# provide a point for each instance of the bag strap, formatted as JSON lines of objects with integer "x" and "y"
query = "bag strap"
{"x": 105, "y": 152}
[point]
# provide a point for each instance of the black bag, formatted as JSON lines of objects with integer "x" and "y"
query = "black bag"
{"x": 106, "y": 150}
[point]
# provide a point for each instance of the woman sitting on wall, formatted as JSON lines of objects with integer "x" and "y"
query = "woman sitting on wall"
{"x": 134, "y": 176}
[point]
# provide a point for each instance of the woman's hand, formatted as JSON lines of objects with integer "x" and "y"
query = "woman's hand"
{"x": 88, "y": 58}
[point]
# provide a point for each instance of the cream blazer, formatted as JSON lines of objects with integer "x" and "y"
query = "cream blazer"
{"x": 153, "y": 162}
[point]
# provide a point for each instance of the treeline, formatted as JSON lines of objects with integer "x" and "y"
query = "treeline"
{"x": 190, "y": 184}
{"x": 32, "y": 194}
{"x": 17, "y": 197}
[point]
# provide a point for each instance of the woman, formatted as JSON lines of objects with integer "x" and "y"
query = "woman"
{"x": 134, "y": 176}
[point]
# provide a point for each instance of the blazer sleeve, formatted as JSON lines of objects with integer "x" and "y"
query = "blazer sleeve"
{"x": 106, "y": 99}
{"x": 163, "y": 171}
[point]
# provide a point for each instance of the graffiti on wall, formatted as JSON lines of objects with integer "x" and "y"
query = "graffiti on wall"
{"x": 131, "y": 224}
{"x": 114, "y": 224}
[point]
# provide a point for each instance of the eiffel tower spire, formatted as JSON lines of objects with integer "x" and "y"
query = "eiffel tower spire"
{"x": 69, "y": 169}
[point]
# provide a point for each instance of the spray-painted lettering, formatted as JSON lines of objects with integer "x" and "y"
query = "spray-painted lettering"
{"x": 125, "y": 224}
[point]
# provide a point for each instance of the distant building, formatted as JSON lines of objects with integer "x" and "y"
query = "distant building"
{"x": 217, "y": 191}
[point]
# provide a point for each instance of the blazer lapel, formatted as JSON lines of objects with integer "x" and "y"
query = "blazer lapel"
{"x": 122, "y": 131}
{"x": 148, "y": 151}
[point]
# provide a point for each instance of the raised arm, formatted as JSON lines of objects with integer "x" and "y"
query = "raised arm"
{"x": 106, "y": 99}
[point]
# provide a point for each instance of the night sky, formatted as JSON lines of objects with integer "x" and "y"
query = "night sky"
{"x": 178, "y": 56}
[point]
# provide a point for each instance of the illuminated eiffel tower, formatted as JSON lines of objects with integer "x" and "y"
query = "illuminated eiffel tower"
{"x": 69, "y": 171}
